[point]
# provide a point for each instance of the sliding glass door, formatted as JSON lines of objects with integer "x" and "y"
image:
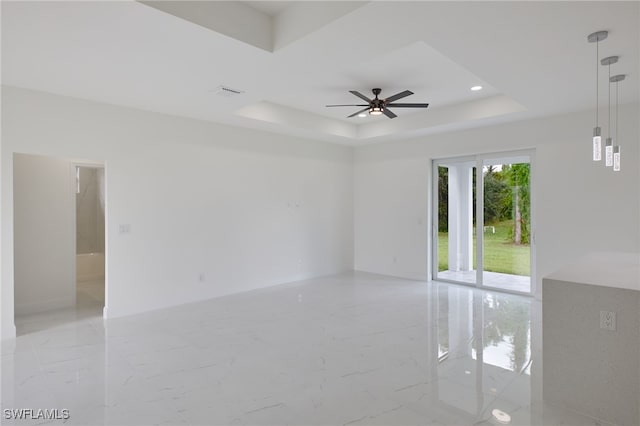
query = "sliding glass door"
{"x": 456, "y": 220}
{"x": 506, "y": 233}
{"x": 482, "y": 219}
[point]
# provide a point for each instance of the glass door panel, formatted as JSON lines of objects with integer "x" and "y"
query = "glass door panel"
{"x": 506, "y": 231}
{"x": 455, "y": 222}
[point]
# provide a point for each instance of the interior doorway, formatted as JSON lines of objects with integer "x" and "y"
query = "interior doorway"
{"x": 90, "y": 237}
{"x": 483, "y": 234}
{"x": 59, "y": 241}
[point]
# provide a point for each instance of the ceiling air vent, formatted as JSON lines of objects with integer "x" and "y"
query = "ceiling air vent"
{"x": 227, "y": 92}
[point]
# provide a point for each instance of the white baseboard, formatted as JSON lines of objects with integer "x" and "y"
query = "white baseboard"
{"x": 8, "y": 333}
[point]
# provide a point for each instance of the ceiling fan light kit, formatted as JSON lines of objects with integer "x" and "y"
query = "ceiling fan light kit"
{"x": 612, "y": 152}
{"x": 378, "y": 106}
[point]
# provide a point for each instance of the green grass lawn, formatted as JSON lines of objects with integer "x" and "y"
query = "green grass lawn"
{"x": 500, "y": 254}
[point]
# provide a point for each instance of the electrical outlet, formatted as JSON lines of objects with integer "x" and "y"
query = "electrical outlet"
{"x": 201, "y": 278}
{"x": 608, "y": 320}
{"x": 124, "y": 229}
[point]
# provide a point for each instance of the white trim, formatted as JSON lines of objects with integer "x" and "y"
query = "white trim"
{"x": 532, "y": 224}
{"x": 73, "y": 225}
{"x": 106, "y": 240}
{"x": 87, "y": 163}
{"x": 9, "y": 332}
{"x": 435, "y": 179}
{"x": 518, "y": 156}
{"x": 479, "y": 221}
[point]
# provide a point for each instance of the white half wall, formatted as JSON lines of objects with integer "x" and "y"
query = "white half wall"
{"x": 579, "y": 206}
{"x": 211, "y": 209}
{"x": 44, "y": 246}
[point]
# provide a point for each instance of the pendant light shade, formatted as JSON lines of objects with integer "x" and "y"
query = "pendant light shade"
{"x": 616, "y": 158}
{"x": 608, "y": 153}
{"x": 597, "y": 144}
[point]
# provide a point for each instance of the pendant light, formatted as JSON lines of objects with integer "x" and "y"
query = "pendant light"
{"x": 608, "y": 147}
{"x": 616, "y": 149}
{"x": 596, "y": 38}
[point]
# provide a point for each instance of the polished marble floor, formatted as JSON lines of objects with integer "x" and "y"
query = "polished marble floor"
{"x": 351, "y": 349}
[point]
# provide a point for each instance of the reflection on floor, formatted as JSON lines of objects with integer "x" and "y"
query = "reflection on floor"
{"x": 497, "y": 280}
{"x": 89, "y": 304}
{"x": 350, "y": 349}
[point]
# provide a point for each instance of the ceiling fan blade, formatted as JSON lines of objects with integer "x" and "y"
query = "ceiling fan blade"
{"x": 408, "y": 105}
{"x": 360, "y": 95}
{"x": 398, "y": 96}
{"x": 361, "y": 111}
{"x": 388, "y": 113}
{"x": 329, "y": 106}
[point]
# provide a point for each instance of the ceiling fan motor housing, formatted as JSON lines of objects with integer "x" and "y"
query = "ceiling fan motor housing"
{"x": 376, "y": 104}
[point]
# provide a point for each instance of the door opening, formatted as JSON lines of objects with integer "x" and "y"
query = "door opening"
{"x": 483, "y": 232}
{"x": 59, "y": 241}
{"x": 90, "y": 237}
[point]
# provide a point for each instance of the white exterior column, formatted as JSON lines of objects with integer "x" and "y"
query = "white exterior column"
{"x": 460, "y": 217}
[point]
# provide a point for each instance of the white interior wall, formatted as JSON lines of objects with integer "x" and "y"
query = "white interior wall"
{"x": 579, "y": 206}
{"x": 209, "y": 199}
{"x": 243, "y": 209}
{"x": 44, "y": 246}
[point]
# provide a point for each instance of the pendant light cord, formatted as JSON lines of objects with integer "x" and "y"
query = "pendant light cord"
{"x": 597, "y": 77}
{"x": 609, "y": 126}
{"x": 617, "y": 114}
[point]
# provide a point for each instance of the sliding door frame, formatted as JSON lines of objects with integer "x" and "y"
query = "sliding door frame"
{"x": 479, "y": 164}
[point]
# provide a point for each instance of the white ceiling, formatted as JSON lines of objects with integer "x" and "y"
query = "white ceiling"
{"x": 292, "y": 58}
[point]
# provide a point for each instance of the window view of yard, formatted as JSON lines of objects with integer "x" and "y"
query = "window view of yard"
{"x": 500, "y": 253}
{"x": 506, "y": 214}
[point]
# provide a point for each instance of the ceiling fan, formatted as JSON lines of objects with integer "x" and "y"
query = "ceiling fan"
{"x": 377, "y": 106}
